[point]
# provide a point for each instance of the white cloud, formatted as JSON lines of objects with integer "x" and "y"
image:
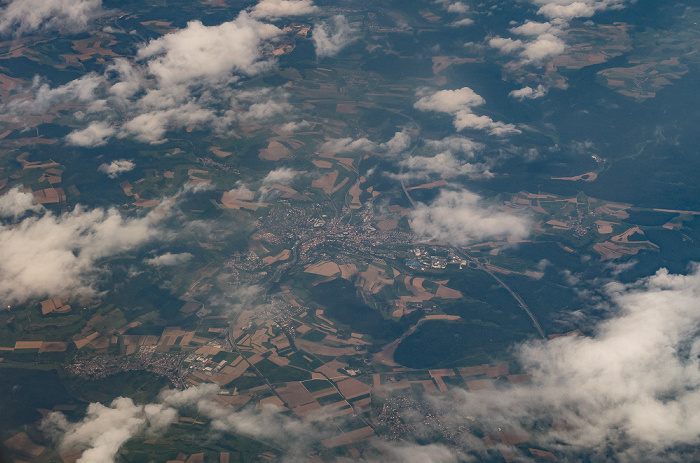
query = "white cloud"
{"x": 214, "y": 53}
{"x": 620, "y": 268}
{"x": 282, "y": 8}
{"x": 82, "y": 89}
{"x": 453, "y": 7}
{"x": 55, "y": 255}
{"x": 150, "y": 127}
{"x": 114, "y": 168}
{"x": 455, "y": 144}
{"x": 185, "y": 76}
{"x": 293, "y": 126}
{"x": 506, "y": 45}
{"x": 347, "y": 145}
{"x": 259, "y": 105}
{"x": 529, "y": 93}
{"x": 461, "y": 217}
{"x": 469, "y": 120}
{"x": 569, "y": 9}
{"x": 95, "y": 134}
{"x": 535, "y": 50}
{"x": 26, "y": 16}
{"x": 532, "y": 28}
{"x": 448, "y": 161}
{"x": 462, "y": 22}
{"x": 400, "y": 142}
{"x": 169, "y": 259}
{"x": 291, "y": 434}
{"x": 280, "y": 176}
{"x": 106, "y": 428}
{"x": 179, "y": 80}
{"x": 406, "y": 452}
{"x": 443, "y": 164}
{"x": 631, "y": 390}
{"x": 459, "y": 104}
{"x": 331, "y": 36}
{"x": 544, "y": 38}
{"x": 15, "y": 203}
{"x": 449, "y": 101}
{"x": 457, "y": 7}
{"x": 544, "y": 46}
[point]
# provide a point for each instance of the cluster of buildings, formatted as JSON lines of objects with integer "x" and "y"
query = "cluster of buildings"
{"x": 423, "y": 258}
{"x": 402, "y": 415}
{"x": 146, "y": 359}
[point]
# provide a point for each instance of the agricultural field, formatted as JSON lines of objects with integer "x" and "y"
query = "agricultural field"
{"x": 286, "y": 230}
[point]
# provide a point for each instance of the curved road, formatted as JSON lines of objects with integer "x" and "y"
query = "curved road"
{"x": 515, "y": 295}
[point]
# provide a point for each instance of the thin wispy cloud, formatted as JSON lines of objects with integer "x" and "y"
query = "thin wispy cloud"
{"x": 331, "y": 36}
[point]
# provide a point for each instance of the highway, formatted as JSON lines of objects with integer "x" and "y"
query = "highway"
{"x": 460, "y": 252}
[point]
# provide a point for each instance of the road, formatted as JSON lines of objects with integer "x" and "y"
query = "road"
{"x": 515, "y": 295}
{"x": 232, "y": 341}
{"x": 460, "y": 252}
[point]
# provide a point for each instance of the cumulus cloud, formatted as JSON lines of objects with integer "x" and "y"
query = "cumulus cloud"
{"x": 457, "y": 7}
{"x": 544, "y": 46}
{"x": 293, "y": 126}
{"x": 459, "y": 103}
{"x": 449, "y": 101}
{"x": 183, "y": 79}
{"x": 453, "y": 7}
{"x": 400, "y": 142}
{"x": 15, "y": 203}
{"x": 347, "y": 145}
{"x": 280, "y": 176}
{"x": 506, "y": 45}
{"x": 151, "y": 126}
{"x": 169, "y": 259}
{"x": 451, "y": 159}
{"x": 543, "y": 40}
{"x": 444, "y": 164}
{"x": 534, "y": 50}
{"x": 455, "y": 143}
{"x": 529, "y": 93}
{"x": 56, "y": 255}
{"x": 460, "y": 217}
{"x": 331, "y": 36}
{"x": 209, "y": 52}
{"x": 570, "y": 9}
{"x": 533, "y": 28}
{"x": 114, "y": 168}
{"x": 274, "y": 9}
{"x": 462, "y": 22}
{"x": 105, "y": 429}
{"x": 259, "y": 105}
{"x": 629, "y": 392}
{"x": 26, "y": 16}
{"x": 95, "y": 134}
